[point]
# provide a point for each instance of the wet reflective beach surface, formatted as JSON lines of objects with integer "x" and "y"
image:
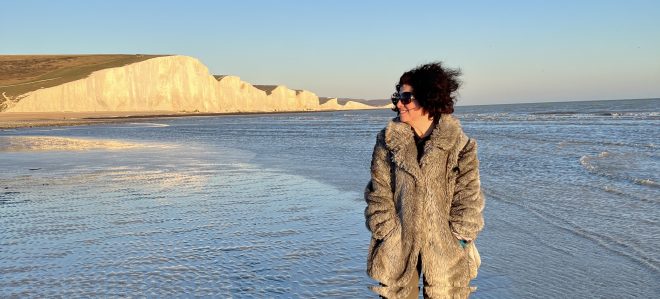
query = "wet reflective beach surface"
{"x": 172, "y": 222}
{"x": 271, "y": 205}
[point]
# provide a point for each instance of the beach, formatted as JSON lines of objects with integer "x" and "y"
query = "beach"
{"x": 271, "y": 205}
{"x": 13, "y": 120}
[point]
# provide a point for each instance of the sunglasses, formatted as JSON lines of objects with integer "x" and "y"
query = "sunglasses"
{"x": 404, "y": 97}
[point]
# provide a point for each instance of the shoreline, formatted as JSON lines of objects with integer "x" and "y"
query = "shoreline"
{"x": 18, "y": 120}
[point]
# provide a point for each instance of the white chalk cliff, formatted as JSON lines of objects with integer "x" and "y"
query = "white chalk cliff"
{"x": 169, "y": 83}
{"x": 332, "y": 104}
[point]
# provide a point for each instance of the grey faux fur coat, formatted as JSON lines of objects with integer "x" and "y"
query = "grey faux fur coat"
{"x": 420, "y": 209}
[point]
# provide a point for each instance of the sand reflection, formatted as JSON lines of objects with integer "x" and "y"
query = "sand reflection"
{"x": 49, "y": 143}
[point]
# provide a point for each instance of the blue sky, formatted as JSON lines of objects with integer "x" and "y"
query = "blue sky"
{"x": 509, "y": 51}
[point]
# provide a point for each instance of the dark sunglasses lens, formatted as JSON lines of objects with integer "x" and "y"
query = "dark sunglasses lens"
{"x": 406, "y": 97}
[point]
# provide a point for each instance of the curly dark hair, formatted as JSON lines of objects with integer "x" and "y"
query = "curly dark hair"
{"x": 434, "y": 87}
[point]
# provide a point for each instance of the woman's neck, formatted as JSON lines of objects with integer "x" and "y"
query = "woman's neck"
{"x": 423, "y": 126}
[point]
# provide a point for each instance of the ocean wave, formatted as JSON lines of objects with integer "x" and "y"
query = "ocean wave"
{"x": 561, "y": 115}
{"x": 150, "y": 125}
{"x": 636, "y": 168}
{"x": 647, "y": 182}
{"x": 613, "y": 190}
{"x": 555, "y": 113}
{"x": 564, "y": 143}
{"x": 627, "y": 194}
{"x": 598, "y": 113}
{"x": 586, "y": 160}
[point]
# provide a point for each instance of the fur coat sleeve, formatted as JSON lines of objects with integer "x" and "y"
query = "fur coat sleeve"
{"x": 466, "y": 217}
{"x": 380, "y": 213}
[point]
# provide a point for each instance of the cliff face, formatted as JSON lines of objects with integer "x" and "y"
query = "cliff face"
{"x": 169, "y": 83}
{"x": 333, "y": 104}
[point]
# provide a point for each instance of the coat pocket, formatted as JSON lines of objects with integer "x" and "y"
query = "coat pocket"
{"x": 473, "y": 258}
{"x": 385, "y": 262}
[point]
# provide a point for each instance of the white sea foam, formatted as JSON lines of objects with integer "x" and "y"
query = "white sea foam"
{"x": 647, "y": 182}
{"x": 611, "y": 189}
{"x": 632, "y": 167}
{"x": 149, "y": 125}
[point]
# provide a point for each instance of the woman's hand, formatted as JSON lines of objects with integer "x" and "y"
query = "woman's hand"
{"x": 463, "y": 243}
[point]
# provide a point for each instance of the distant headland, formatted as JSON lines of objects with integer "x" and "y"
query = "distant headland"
{"x": 57, "y": 86}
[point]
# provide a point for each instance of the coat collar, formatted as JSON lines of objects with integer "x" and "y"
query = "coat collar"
{"x": 399, "y": 139}
{"x": 399, "y": 134}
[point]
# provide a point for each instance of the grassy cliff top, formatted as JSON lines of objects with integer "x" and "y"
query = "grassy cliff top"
{"x": 267, "y": 88}
{"x": 20, "y": 74}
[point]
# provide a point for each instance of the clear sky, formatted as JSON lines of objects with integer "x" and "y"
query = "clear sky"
{"x": 509, "y": 51}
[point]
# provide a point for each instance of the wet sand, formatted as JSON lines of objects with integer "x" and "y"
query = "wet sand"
{"x": 54, "y": 143}
{"x": 13, "y": 120}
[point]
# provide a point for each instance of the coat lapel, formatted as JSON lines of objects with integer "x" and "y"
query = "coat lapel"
{"x": 399, "y": 139}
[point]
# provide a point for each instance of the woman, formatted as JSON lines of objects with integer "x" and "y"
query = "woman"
{"x": 424, "y": 201}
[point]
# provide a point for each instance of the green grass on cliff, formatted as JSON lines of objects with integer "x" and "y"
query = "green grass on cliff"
{"x": 20, "y": 74}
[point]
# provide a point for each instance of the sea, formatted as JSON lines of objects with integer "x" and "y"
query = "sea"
{"x": 271, "y": 205}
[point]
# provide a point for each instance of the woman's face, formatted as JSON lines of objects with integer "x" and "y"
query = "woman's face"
{"x": 412, "y": 111}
